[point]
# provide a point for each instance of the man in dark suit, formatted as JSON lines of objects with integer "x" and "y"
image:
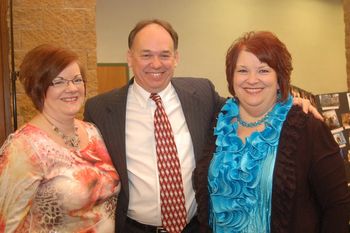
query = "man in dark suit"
{"x": 125, "y": 119}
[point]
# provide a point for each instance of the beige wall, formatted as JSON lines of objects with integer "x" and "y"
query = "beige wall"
{"x": 313, "y": 30}
{"x": 70, "y": 24}
{"x": 346, "y": 4}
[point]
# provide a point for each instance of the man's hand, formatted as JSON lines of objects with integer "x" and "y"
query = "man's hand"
{"x": 307, "y": 107}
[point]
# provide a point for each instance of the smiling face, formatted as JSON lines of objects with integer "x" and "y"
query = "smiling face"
{"x": 65, "y": 101}
{"x": 255, "y": 84}
{"x": 153, "y": 58}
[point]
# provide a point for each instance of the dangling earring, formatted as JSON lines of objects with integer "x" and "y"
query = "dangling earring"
{"x": 279, "y": 95}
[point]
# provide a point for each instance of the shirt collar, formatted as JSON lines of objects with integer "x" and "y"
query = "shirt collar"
{"x": 142, "y": 95}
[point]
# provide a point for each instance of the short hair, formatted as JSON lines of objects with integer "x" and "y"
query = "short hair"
{"x": 40, "y": 66}
{"x": 164, "y": 24}
{"x": 268, "y": 49}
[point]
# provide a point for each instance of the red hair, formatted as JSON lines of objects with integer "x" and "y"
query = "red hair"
{"x": 40, "y": 66}
{"x": 268, "y": 49}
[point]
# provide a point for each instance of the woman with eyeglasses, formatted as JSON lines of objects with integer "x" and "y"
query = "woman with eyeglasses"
{"x": 55, "y": 172}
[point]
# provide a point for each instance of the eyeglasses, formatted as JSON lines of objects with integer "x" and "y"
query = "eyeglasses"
{"x": 60, "y": 82}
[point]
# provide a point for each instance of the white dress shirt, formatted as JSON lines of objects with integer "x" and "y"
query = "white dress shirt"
{"x": 144, "y": 189}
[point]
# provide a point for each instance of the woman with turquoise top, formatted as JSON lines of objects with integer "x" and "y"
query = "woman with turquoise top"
{"x": 272, "y": 168}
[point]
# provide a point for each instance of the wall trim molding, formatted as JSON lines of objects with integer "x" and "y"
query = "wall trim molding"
{"x": 5, "y": 76}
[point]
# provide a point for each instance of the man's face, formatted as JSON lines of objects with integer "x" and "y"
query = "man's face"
{"x": 153, "y": 58}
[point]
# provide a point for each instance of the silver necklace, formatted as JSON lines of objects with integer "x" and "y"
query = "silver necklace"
{"x": 71, "y": 141}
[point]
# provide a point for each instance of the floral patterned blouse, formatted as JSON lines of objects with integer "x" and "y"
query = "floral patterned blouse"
{"x": 45, "y": 187}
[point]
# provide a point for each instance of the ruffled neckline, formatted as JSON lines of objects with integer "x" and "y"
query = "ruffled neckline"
{"x": 233, "y": 178}
{"x": 226, "y": 130}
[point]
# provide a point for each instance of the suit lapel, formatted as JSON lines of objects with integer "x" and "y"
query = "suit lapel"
{"x": 190, "y": 102}
{"x": 115, "y": 126}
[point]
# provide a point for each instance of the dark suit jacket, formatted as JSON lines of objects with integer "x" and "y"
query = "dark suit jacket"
{"x": 199, "y": 102}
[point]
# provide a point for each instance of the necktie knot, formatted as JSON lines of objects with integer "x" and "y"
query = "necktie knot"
{"x": 156, "y": 98}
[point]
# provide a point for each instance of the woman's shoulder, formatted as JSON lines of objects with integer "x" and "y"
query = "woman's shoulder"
{"x": 305, "y": 129}
{"x": 90, "y": 128}
{"x": 305, "y": 121}
{"x": 297, "y": 116}
{"x": 87, "y": 124}
{"x": 23, "y": 135}
{"x": 21, "y": 147}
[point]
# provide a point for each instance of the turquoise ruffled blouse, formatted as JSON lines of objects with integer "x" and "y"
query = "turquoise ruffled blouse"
{"x": 240, "y": 174}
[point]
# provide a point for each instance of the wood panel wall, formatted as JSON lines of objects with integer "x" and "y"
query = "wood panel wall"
{"x": 111, "y": 75}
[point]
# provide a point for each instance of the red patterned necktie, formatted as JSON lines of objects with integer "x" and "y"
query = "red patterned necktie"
{"x": 171, "y": 188}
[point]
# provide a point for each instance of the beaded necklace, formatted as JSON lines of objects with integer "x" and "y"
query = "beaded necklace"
{"x": 71, "y": 141}
{"x": 252, "y": 124}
